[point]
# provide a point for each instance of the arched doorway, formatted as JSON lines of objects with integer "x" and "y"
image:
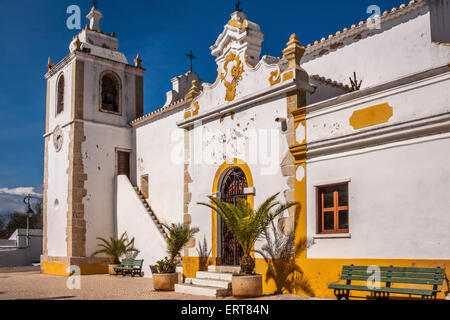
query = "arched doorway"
{"x": 232, "y": 188}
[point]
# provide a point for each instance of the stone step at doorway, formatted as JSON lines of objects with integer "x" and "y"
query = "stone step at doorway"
{"x": 216, "y": 282}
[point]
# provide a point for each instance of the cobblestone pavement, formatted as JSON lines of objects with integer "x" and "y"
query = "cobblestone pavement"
{"x": 28, "y": 283}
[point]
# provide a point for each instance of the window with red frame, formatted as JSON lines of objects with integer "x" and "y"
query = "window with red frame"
{"x": 333, "y": 209}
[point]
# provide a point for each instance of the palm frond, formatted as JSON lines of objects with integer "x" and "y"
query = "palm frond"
{"x": 248, "y": 225}
{"x": 115, "y": 248}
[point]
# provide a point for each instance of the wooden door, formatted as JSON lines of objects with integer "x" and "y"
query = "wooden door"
{"x": 123, "y": 163}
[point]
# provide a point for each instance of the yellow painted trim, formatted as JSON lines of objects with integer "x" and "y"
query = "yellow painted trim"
{"x": 371, "y": 116}
{"x": 237, "y": 24}
{"x": 60, "y": 268}
{"x": 321, "y": 272}
{"x": 235, "y": 162}
{"x": 196, "y": 108}
{"x": 94, "y": 268}
{"x": 246, "y": 63}
{"x": 274, "y": 78}
{"x": 236, "y": 72}
{"x": 288, "y": 76}
{"x": 55, "y": 268}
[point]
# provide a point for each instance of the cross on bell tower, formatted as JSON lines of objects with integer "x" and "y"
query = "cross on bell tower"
{"x": 238, "y": 6}
{"x": 191, "y": 57}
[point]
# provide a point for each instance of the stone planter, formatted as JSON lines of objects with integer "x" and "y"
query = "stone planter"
{"x": 111, "y": 270}
{"x": 165, "y": 281}
{"x": 247, "y": 286}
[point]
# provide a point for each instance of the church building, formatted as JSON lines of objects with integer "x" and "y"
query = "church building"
{"x": 355, "y": 127}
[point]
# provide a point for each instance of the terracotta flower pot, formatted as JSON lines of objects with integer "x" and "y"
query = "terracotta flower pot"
{"x": 165, "y": 281}
{"x": 111, "y": 270}
{"x": 247, "y": 286}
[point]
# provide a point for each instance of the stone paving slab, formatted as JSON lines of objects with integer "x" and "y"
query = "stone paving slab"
{"x": 30, "y": 284}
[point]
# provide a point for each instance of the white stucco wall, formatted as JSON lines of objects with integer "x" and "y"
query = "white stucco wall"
{"x": 160, "y": 154}
{"x": 231, "y": 138}
{"x": 99, "y": 160}
{"x": 410, "y": 102}
{"x": 58, "y": 163}
{"x": 397, "y": 171}
{"x": 64, "y": 116}
{"x": 403, "y": 46}
{"x": 133, "y": 219}
{"x": 398, "y": 202}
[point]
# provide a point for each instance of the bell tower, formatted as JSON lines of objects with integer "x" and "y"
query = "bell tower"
{"x": 92, "y": 96}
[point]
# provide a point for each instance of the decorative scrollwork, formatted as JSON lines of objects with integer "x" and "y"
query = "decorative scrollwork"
{"x": 274, "y": 78}
{"x": 236, "y": 75}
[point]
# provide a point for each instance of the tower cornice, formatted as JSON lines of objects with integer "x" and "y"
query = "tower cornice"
{"x": 86, "y": 56}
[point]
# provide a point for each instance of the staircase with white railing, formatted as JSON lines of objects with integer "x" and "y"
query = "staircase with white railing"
{"x": 136, "y": 217}
{"x": 150, "y": 212}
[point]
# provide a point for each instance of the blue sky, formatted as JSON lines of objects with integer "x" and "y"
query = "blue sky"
{"x": 161, "y": 31}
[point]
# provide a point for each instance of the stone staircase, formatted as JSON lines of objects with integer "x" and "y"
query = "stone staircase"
{"x": 151, "y": 213}
{"x": 216, "y": 282}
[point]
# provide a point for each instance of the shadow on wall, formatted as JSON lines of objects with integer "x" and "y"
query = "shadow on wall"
{"x": 447, "y": 293}
{"x": 278, "y": 253}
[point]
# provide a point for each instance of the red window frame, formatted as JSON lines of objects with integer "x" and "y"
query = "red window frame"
{"x": 321, "y": 209}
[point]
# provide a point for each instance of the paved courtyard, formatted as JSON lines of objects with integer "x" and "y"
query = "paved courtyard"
{"x": 28, "y": 283}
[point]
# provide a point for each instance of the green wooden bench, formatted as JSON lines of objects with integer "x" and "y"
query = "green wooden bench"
{"x": 130, "y": 266}
{"x": 389, "y": 276}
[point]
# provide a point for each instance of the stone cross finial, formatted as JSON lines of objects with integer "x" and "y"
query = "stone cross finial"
{"x": 77, "y": 43}
{"x": 94, "y": 17}
{"x": 191, "y": 58}
{"x": 238, "y": 6}
{"x": 50, "y": 64}
{"x": 137, "y": 61}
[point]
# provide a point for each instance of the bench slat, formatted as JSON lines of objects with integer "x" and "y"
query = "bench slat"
{"x": 397, "y": 274}
{"x": 393, "y": 280}
{"x": 420, "y": 292}
{"x": 399, "y": 269}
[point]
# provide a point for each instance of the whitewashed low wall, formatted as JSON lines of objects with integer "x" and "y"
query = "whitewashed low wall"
{"x": 134, "y": 219}
{"x": 14, "y": 251}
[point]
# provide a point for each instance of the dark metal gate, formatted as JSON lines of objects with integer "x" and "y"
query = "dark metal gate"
{"x": 233, "y": 185}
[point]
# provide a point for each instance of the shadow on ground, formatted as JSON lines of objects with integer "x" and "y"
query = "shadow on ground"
{"x": 52, "y": 298}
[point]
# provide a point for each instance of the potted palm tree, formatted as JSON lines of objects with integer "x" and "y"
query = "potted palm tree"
{"x": 248, "y": 226}
{"x": 164, "y": 272}
{"x": 115, "y": 248}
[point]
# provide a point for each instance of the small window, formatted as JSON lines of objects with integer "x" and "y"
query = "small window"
{"x": 110, "y": 93}
{"x": 60, "y": 95}
{"x": 333, "y": 209}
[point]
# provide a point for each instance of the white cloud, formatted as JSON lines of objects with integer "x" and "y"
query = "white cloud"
{"x": 21, "y": 191}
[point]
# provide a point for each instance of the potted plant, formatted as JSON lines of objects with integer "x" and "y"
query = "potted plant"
{"x": 248, "y": 226}
{"x": 115, "y": 248}
{"x": 164, "y": 272}
{"x": 203, "y": 255}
